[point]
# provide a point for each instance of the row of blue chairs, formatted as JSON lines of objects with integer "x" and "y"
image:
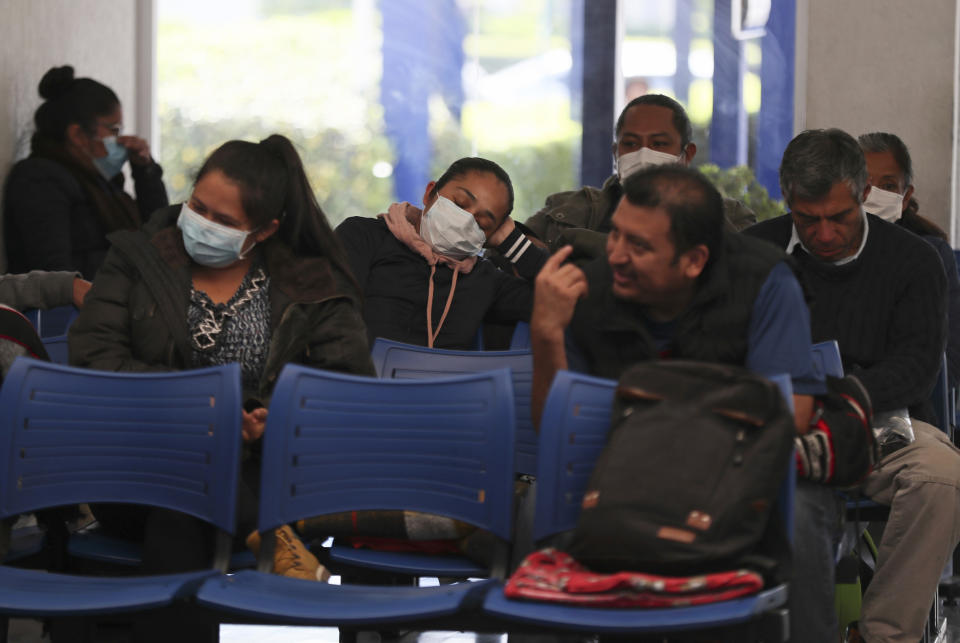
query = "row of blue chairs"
{"x": 333, "y": 443}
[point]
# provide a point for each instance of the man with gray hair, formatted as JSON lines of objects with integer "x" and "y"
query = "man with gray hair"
{"x": 880, "y": 292}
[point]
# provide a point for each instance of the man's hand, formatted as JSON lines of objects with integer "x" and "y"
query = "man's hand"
{"x": 500, "y": 234}
{"x": 137, "y": 149}
{"x": 558, "y": 287}
{"x": 80, "y": 288}
{"x": 254, "y": 423}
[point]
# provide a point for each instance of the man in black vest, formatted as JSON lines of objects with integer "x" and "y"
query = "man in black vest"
{"x": 880, "y": 291}
{"x": 676, "y": 283}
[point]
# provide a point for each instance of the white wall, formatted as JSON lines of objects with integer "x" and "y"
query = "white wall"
{"x": 97, "y": 37}
{"x": 888, "y": 65}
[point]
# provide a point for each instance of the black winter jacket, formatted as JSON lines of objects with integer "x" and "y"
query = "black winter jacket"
{"x": 51, "y": 222}
{"x": 135, "y": 316}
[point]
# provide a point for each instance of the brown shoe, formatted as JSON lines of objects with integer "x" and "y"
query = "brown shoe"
{"x": 290, "y": 556}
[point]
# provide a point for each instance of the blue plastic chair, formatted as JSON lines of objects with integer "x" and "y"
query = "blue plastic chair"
{"x": 575, "y": 421}
{"x": 336, "y": 443}
{"x": 520, "y": 341}
{"x": 71, "y": 435}
{"x": 405, "y": 361}
{"x": 52, "y": 326}
{"x": 53, "y": 322}
{"x": 940, "y": 398}
{"x": 826, "y": 358}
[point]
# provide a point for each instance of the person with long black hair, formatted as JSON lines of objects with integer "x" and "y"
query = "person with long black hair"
{"x": 62, "y": 201}
{"x": 248, "y": 270}
{"x": 891, "y": 197}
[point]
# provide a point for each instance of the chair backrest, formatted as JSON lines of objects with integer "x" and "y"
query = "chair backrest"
{"x": 336, "y": 443}
{"x": 573, "y": 432}
{"x": 520, "y": 340}
{"x": 395, "y": 360}
{"x": 72, "y": 435}
{"x": 940, "y": 398}
{"x": 57, "y": 349}
{"x": 785, "y": 499}
{"x": 826, "y": 358}
{"x": 53, "y": 322}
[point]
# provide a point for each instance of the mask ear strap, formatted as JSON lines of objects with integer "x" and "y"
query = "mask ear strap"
{"x": 243, "y": 253}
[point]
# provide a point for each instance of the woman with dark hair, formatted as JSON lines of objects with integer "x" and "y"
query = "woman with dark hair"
{"x": 890, "y": 174}
{"x": 62, "y": 201}
{"x": 248, "y": 270}
{"x": 424, "y": 281}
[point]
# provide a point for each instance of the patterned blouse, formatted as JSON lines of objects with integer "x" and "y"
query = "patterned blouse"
{"x": 235, "y": 331}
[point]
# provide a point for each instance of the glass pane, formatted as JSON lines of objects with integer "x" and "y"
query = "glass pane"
{"x": 709, "y": 55}
{"x": 378, "y": 97}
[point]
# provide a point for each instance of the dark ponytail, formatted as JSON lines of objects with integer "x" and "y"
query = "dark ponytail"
{"x": 913, "y": 221}
{"x": 273, "y": 185}
{"x": 68, "y": 100}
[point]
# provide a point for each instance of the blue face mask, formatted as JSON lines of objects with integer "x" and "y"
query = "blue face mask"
{"x": 210, "y": 244}
{"x": 109, "y": 166}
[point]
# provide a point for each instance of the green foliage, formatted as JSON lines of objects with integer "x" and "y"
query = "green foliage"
{"x": 339, "y": 169}
{"x": 740, "y": 183}
{"x": 536, "y": 171}
{"x": 302, "y": 69}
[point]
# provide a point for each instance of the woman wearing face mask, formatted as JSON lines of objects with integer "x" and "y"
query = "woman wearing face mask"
{"x": 247, "y": 270}
{"x": 423, "y": 279}
{"x": 62, "y": 201}
{"x": 890, "y": 173}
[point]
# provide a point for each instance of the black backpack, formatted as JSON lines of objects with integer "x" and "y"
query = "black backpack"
{"x": 690, "y": 473}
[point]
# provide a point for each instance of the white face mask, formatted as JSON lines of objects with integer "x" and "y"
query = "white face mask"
{"x": 633, "y": 162}
{"x": 885, "y": 204}
{"x": 451, "y": 230}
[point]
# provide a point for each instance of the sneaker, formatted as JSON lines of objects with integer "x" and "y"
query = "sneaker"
{"x": 291, "y": 557}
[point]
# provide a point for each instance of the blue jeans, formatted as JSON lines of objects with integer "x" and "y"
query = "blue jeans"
{"x": 818, "y": 528}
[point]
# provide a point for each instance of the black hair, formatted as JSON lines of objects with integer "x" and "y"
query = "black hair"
{"x": 273, "y": 185}
{"x": 693, "y": 204}
{"x": 816, "y": 160}
{"x": 911, "y": 219}
{"x": 69, "y": 100}
{"x": 886, "y": 142}
{"x": 476, "y": 164}
{"x": 681, "y": 122}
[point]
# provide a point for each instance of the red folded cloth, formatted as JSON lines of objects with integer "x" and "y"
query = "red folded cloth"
{"x": 552, "y": 575}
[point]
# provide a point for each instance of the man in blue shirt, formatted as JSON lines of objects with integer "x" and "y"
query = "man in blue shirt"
{"x": 675, "y": 283}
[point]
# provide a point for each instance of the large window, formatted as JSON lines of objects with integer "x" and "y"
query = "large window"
{"x": 378, "y": 96}
{"x": 381, "y": 95}
{"x": 731, "y": 63}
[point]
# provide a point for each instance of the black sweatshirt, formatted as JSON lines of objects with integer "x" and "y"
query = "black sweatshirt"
{"x": 395, "y": 279}
{"x": 887, "y": 310}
